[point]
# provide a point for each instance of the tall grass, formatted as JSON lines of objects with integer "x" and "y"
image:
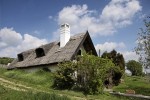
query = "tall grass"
{"x": 2, "y": 70}
{"x": 8, "y": 94}
{"x": 39, "y": 77}
{"x": 43, "y": 80}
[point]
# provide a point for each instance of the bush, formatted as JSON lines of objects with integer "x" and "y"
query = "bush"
{"x": 88, "y": 74}
{"x": 117, "y": 74}
{"x": 5, "y": 60}
{"x": 63, "y": 77}
{"x": 135, "y": 67}
{"x": 116, "y": 58}
{"x": 92, "y": 72}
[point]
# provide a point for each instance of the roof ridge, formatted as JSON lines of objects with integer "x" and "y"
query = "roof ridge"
{"x": 78, "y": 35}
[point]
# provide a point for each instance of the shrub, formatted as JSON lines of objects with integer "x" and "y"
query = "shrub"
{"x": 63, "y": 77}
{"x": 116, "y": 58}
{"x": 135, "y": 67}
{"x": 5, "y": 60}
{"x": 91, "y": 73}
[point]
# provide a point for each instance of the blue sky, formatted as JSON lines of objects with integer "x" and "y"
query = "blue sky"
{"x": 112, "y": 24}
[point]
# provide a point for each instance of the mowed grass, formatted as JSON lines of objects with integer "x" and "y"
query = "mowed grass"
{"x": 141, "y": 85}
{"x": 43, "y": 81}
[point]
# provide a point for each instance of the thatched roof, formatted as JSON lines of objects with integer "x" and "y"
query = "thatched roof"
{"x": 53, "y": 53}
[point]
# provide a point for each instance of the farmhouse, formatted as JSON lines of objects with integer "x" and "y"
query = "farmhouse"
{"x": 49, "y": 55}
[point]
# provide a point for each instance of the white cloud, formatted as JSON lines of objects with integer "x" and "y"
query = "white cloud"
{"x": 72, "y": 14}
{"x": 109, "y": 46}
{"x": 130, "y": 55}
{"x": 8, "y": 52}
{"x": 81, "y": 19}
{"x": 9, "y": 37}
{"x": 12, "y": 42}
{"x": 120, "y": 12}
{"x": 2, "y": 44}
{"x": 29, "y": 42}
{"x": 116, "y": 14}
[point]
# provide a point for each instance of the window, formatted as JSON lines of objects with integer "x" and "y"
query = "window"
{"x": 79, "y": 52}
{"x": 39, "y": 52}
{"x": 20, "y": 57}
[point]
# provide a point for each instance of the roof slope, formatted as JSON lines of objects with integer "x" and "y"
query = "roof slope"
{"x": 53, "y": 53}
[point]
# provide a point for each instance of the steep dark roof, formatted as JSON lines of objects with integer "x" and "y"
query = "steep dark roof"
{"x": 55, "y": 54}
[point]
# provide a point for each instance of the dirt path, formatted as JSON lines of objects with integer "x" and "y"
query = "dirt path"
{"x": 17, "y": 86}
{"x": 13, "y": 85}
{"x": 20, "y": 87}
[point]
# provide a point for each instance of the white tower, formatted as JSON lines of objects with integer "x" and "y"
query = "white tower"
{"x": 64, "y": 34}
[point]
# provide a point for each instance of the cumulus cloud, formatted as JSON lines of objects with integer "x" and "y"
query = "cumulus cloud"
{"x": 120, "y": 12}
{"x": 9, "y": 37}
{"x": 130, "y": 55}
{"x": 8, "y": 52}
{"x": 12, "y": 42}
{"x": 82, "y": 19}
{"x": 109, "y": 46}
{"x": 30, "y": 41}
{"x": 116, "y": 14}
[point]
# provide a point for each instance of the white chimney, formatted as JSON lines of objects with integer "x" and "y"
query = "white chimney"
{"x": 64, "y": 34}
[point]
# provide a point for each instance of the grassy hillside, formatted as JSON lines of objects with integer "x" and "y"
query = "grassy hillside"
{"x": 5, "y": 60}
{"x": 18, "y": 83}
{"x": 141, "y": 85}
{"x": 10, "y": 94}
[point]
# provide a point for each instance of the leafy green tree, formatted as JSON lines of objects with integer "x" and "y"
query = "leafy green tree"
{"x": 105, "y": 55}
{"x": 5, "y": 60}
{"x": 117, "y": 58}
{"x": 63, "y": 78}
{"x": 143, "y": 47}
{"x": 135, "y": 67}
{"x": 92, "y": 73}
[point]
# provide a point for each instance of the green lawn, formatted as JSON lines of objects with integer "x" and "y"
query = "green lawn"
{"x": 40, "y": 83}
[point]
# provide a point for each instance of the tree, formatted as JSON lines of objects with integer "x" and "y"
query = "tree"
{"x": 63, "y": 78}
{"x": 135, "y": 67}
{"x": 117, "y": 58}
{"x": 5, "y": 60}
{"x": 92, "y": 74}
{"x": 143, "y": 43}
